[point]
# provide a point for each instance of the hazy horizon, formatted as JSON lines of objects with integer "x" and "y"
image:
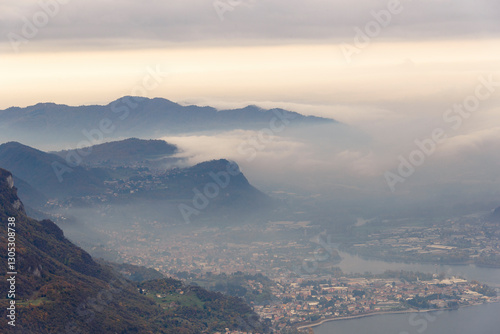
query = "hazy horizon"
{"x": 393, "y": 208}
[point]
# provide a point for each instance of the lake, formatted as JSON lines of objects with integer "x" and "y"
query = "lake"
{"x": 355, "y": 264}
{"x": 483, "y": 319}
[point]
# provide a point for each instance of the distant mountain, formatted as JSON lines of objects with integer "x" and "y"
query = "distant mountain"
{"x": 229, "y": 197}
{"x": 212, "y": 192}
{"x": 59, "y": 288}
{"x": 49, "y": 174}
{"x": 215, "y": 188}
{"x": 135, "y": 117}
{"x": 182, "y": 181}
{"x": 126, "y": 152}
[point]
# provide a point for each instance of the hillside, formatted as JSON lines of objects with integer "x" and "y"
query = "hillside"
{"x": 49, "y": 174}
{"x": 204, "y": 194}
{"x": 215, "y": 188}
{"x": 210, "y": 191}
{"x": 182, "y": 181}
{"x": 59, "y": 288}
{"x": 126, "y": 152}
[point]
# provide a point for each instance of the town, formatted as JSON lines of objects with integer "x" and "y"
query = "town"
{"x": 287, "y": 270}
{"x": 288, "y": 276}
{"x": 464, "y": 240}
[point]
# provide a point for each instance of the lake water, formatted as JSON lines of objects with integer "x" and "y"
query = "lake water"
{"x": 355, "y": 264}
{"x": 483, "y": 319}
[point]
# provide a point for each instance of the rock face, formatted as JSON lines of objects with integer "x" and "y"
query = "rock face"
{"x": 9, "y": 202}
{"x": 52, "y": 274}
{"x": 10, "y": 181}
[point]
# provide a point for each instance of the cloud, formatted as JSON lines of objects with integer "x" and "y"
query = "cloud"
{"x": 126, "y": 22}
{"x": 243, "y": 146}
{"x": 485, "y": 141}
{"x": 332, "y": 159}
{"x": 300, "y": 158}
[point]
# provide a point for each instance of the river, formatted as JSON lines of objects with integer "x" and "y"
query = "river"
{"x": 482, "y": 319}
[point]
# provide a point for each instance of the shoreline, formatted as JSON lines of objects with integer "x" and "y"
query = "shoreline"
{"x": 357, "y": 316}
{"x": 451, "y": 263}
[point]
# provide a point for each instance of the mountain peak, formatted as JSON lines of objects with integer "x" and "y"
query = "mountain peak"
{"x": 47, "y": 104}
{"x": 13, "y": 144}
{"x": 141, "y": 99}
{"x": 253, "y": 107}
{"x": 216, "y": 165}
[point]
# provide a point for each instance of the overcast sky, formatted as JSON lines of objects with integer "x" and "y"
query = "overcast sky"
{"x": 391, "y": 69}
{"x": 238, "y": 51}
{"x": 93, "y": 21}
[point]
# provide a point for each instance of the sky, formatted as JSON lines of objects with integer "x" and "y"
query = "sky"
{"x": 390, "y": 69}
{"x": 225, "y": 52}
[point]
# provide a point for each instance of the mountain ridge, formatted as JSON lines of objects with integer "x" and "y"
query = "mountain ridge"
{"x": 39, "y": 169}
{"x": 151, "y": 191}
{"x": 134, "y": 117}
{"x": 122, "y": 152}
